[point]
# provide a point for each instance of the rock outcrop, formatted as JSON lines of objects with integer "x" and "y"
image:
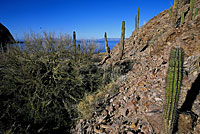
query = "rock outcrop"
{"x": 137, "y": 107}
{"x": 5, "y": 37}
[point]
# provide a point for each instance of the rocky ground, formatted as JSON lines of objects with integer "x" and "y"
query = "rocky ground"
{"x": 137, "y": 107}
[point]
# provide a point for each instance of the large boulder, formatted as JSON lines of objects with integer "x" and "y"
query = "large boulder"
{"x": 5, "y": 37}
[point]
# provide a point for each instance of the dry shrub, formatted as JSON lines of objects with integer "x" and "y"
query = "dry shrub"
{"x": 41, "y": 83}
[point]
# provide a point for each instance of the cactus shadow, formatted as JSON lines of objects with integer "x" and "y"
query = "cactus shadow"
{"x": 191, "y": 96}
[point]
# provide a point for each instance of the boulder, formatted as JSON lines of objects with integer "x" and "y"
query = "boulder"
{"x": 5, "y": 37}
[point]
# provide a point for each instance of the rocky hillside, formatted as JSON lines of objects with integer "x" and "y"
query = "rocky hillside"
{"x": 137, "y": 107}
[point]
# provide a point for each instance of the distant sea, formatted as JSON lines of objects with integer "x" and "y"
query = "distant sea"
{"x": 111, "y": 44}
{"x": 100, "y": 43}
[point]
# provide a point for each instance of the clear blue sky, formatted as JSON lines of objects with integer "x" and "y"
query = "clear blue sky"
{"x": 89, "y": 18}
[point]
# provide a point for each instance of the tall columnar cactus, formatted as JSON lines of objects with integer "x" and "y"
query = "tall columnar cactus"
{"x": 182, "y": 17}
{"x": 170, "y": 12}
{"x": 173, "y": 86}
{"x": 138, "y": 18}
{"x": 122, "y": 39}
{"x": 74, "y": 43}
{"x": 136, "y": 22}
{"x": 174, "y": 12}
{"x": 106, "y": 46}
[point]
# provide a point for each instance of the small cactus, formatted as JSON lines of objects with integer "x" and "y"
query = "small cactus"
{"x": 173, "y": 86}
{"x": 79, "y": 48}
{"x": 106, "y": 46}
{"x": 122, "y": 39}
{"x": 79, "y": 52}
{"x": 182, "y": 17}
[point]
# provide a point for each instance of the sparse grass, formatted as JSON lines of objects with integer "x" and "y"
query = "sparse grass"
{"x": 87, "y": 105}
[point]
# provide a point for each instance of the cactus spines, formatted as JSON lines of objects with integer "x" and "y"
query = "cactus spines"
{"x": 182, "y": 17}
{"x": 122, "y": 40}
{"x": 138, "y": 18}
{"x": 173, "y": 85}
{"x": 106, "y": 46}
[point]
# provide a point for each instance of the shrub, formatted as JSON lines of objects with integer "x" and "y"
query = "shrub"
{"x": 41, "y": 83}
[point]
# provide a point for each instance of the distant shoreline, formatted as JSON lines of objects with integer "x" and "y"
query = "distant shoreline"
{"x": 111, "y": 42}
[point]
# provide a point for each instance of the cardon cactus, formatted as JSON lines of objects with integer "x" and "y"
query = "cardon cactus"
{"x": 74, "y": 41}
{"x": 170, "y": 12}
{"x": 173, "y": 86}
{"x": 122, "y": 39}
{"x": 106, "y": 46}
{"x": 74, "y": 44}
{"x": 136, "y": 22}
{"x": 138, "y": 18}
{"x": 174, "y": 12}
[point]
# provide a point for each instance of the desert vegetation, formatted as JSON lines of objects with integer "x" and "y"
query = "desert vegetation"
{"x": 43, "y": 83}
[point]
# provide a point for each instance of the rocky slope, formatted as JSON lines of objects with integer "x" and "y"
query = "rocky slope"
{"x": 137, "y": 107}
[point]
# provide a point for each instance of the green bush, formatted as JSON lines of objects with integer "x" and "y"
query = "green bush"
{"x": 41, "y": 83}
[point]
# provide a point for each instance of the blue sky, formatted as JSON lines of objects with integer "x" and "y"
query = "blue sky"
{"x": 89, "y": 18}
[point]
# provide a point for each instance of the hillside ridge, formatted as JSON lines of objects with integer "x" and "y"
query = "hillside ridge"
{"x": 137, "y": 107}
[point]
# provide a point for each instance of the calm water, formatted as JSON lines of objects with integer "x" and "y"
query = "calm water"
{"x": 111, "y": 44}
{"x": 101, "y": 44}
